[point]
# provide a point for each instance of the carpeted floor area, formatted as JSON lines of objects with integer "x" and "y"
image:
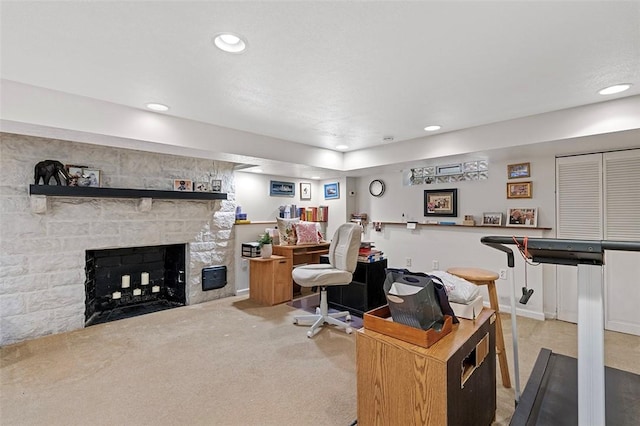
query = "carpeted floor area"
{"x": 225, "y": 362}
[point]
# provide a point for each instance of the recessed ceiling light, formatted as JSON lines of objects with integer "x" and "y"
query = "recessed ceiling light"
{"x": 229, "y": 42}
{"x": 315, "y": 177}
{"x": 157, "y": 107}
{"x": 614, "y": 89}
{"x": 257, "y": 170}
{"x": 432, "y": 128}
{"x": 342, "y": 147}
{"x": 387, "y": 139}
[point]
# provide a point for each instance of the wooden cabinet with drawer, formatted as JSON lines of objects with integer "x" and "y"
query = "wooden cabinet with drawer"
{"x": 270, "y": 280}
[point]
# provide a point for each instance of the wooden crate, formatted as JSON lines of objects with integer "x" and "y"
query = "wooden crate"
{"x": 380, "y": 320}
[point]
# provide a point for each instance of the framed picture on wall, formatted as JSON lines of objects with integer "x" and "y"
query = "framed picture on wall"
{"x": 305, "y": 191}
{"x": 282, "y": 189}
{"x": 441, "y": 202}
{"x": 526, "y": 217}
{"x": 519, "y": 190}
{"x": 331, "y": 191}
{"x": 520, "y": 170}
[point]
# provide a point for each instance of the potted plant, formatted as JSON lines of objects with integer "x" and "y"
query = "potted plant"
{"x": 266, "y": 245}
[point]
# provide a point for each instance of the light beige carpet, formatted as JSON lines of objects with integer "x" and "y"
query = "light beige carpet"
{"x": 226, "y": 362}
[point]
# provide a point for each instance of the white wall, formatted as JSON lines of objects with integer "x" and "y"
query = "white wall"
{"x": 449, "y": 246}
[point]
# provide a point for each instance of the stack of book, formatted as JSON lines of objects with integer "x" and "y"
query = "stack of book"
{"x": 314, "y": 214}
{"x": 368, "y": 253}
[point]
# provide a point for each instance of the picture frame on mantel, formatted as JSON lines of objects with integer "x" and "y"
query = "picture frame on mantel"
{"x": 441, "y": 202}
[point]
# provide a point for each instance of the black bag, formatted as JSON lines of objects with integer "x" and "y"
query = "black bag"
{"x": 438, "y": 288}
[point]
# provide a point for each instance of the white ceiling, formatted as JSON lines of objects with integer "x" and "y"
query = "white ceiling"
{"x": 327, "y": 73}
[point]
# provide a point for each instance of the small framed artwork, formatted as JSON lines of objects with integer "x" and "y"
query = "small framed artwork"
{"x": 305, "y": 191}
{"x": 441, "y": 202}
{"x": 526, "y": 217}
{"x": 185, "y": 185}
{"x": 216, "y": 185}
{"x": 201, "y": 187}
{"x": 331, "y": 191}
{"x": 75, "y": 173}
{"x": 519, "y": 190}
{"x": 92, "y": 177}
{"x": 282, "y": 189}
{"x": 492, "y": 218}
{"x": 520, "y": 170}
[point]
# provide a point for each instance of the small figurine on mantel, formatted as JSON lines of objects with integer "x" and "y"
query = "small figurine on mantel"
{"x": 48, "y": 169}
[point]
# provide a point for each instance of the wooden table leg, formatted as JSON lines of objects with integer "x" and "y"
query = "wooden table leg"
{"x": 502, "y": 356}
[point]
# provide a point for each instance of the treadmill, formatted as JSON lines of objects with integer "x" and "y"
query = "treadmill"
{"x": 558, "y": 393}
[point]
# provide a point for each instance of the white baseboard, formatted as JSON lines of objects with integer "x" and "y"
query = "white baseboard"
{"x": 521, "y": 312}
{"x": 242, "y": 291}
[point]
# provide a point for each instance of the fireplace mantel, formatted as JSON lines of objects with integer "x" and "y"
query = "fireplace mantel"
{"x": 39, "y": 204}
{"x": 93, "y": 192}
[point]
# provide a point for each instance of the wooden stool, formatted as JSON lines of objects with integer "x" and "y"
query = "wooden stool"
{"x": 483, "y": 277}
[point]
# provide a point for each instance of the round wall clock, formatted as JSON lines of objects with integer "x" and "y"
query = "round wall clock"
{"x": 376, "y": 188}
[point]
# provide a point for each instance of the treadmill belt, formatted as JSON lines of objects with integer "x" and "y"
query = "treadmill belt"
{"x": 551, "y": 398}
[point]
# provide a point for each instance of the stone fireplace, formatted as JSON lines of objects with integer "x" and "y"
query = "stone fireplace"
{"x": 43, "y": 251}
{"x": 126, "y": 282}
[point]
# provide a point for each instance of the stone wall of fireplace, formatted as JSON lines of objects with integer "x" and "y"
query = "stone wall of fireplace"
{"x": 42, "y": 255}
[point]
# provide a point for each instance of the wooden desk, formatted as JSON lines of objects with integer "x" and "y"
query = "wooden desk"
{"x": 301, "y": 255}
{"x": 269, "y": 282}
{"x": 451, "y": 383}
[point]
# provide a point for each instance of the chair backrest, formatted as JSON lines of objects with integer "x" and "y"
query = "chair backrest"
{"x": 343, "y": 251}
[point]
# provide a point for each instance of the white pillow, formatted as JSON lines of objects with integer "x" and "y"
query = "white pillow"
{"x": 287, "y": 231}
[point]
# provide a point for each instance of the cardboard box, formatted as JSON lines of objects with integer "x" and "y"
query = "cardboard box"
{"x": 468, "y": 311}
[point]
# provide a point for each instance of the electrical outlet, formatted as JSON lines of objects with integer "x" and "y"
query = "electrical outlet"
{"x": 436, "y": 265}
{"x": 408, "y": 261}
{"x": 503, "y": 274}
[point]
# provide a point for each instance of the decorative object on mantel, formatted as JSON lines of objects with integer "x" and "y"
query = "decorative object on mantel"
{"x": 519, "y": 189}
{"x": 520, "y": 170}
{"x": 74, "y": 172}
{"x": 377, "y": 226}
{"x": 216, "y": 185}
{"x": 443, "y": 202}
{"x": 47, "y": 169}
{"x": 266, "y": 245}
{"x": 469, "y": 170}
{"x": 184, "y": 185}
{"x": 526, "y": 217}
{"x": 201, "y": 187}
{"x": 90, "y": 177}
{"x": 469, "y": 220}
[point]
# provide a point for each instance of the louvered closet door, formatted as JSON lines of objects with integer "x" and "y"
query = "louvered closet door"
{"x": 622, "y": 222}
{"x": 578, "y": 216}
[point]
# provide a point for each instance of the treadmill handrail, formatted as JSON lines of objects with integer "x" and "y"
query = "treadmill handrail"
{"x": 560, "y": 251}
